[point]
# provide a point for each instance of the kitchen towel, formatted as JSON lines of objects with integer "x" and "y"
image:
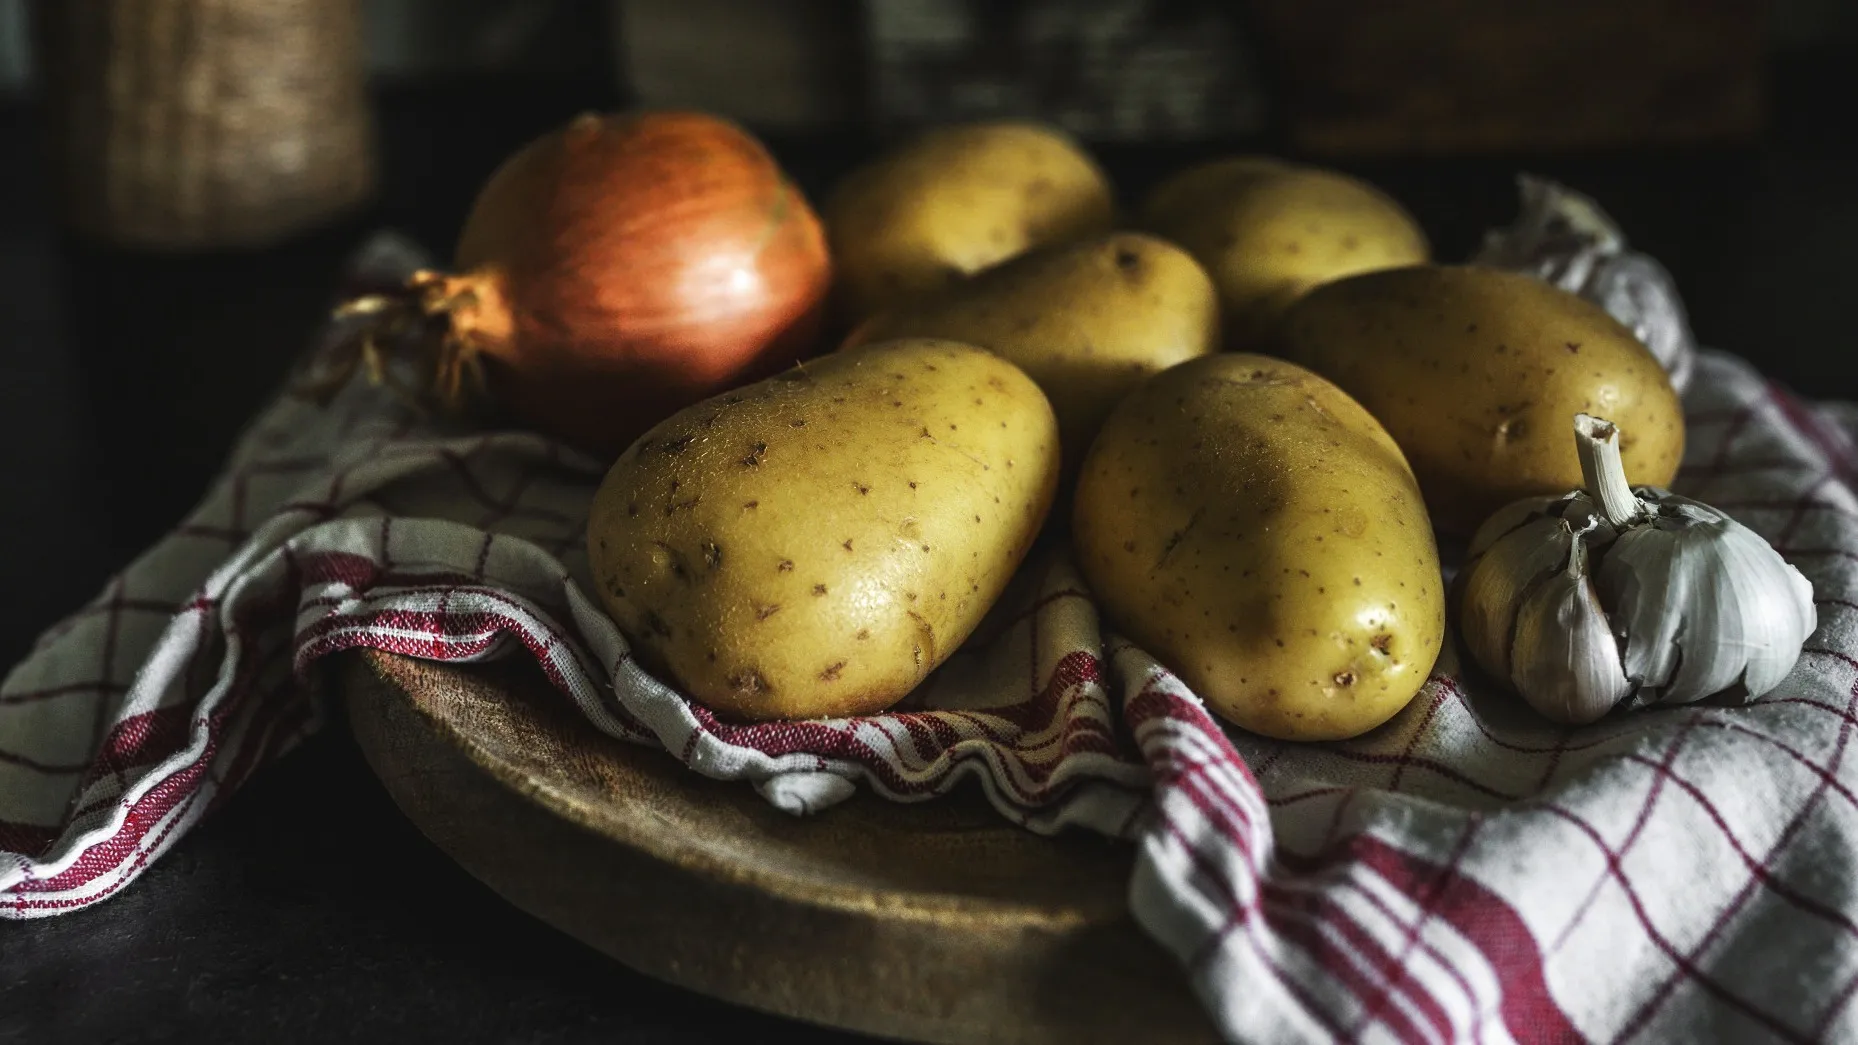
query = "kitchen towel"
{"x": 1467, "y": 873}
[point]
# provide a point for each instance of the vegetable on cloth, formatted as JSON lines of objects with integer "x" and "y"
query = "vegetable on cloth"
{"x": 815, "y": 544}
{"x": 1476, "y": 372}
{"x": 610, "y": 273}
{"x": 1256, "y": 528}
{"x": 1468, "y": 872}
{"x": 1613, "y": 594}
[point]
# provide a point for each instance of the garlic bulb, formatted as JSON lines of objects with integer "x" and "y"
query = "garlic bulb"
{"x": 1612, "y": 595}
{"x": 1564, "y": 238}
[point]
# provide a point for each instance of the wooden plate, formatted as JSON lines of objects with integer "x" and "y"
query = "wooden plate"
{"x": 936, "y": 922}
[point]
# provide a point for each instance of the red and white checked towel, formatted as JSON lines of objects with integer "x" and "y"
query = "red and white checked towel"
{"x": 1468, "y": 873}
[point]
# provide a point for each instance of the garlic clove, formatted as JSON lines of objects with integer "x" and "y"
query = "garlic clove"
{"x": 1652, "y": 599}
{"x": 1496, "y": 583}
{"x": 1771, "y": 591}
{"x": 1565, "y": 661}
{"x": 1706, "y": 606}
{"x": 1512, "y": 517}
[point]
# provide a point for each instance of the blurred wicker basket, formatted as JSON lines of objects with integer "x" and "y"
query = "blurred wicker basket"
{"x": 197, "y": 124}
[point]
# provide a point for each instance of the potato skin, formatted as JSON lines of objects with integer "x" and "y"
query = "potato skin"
{"x": 1088, "y": 321}
{"x": 1478, "y": 374}
{"x": 1268, "y": 231}
{"x": 953, "y": 201}
{"x": 814, "y": 544}
{"x": 1257, "y": 531}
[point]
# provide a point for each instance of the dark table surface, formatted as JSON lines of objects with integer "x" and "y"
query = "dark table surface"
{"x": 123, "y": 379}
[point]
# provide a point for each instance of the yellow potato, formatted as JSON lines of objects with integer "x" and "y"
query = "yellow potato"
{"x": 1088, "y": 321}
{"x": 954, "y": 201}
{"x": 814, "y": 544}
{"x": 1258, "y": 532}
{"x": 1478, "y": 374}
{"x": 1268, "y": 231}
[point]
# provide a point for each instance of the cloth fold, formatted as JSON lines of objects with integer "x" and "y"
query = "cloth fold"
{"x": 1468, "y": 872}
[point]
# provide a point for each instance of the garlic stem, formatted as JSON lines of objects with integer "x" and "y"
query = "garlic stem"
{"x": 1597, "y": 442}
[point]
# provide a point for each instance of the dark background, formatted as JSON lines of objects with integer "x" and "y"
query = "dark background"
{"x": 124, "y": 377}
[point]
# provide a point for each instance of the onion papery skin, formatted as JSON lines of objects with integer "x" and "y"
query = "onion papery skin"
{"x": 624, "y": 267}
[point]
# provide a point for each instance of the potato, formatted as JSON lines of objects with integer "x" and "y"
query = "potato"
{"x": 1478, "y": 375}
{"x": 1088, "y": 321}
{"x": 814, "y": 544}
{"x": 1253, "y": 527}
{"x": 954, "y": 201}
{"x": 1269, "y": 231}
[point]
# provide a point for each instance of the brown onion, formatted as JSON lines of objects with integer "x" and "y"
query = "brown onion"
{"x": 613, "y": 272}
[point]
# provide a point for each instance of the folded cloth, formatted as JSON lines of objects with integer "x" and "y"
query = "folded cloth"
{"x": 1468, "y": 872}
